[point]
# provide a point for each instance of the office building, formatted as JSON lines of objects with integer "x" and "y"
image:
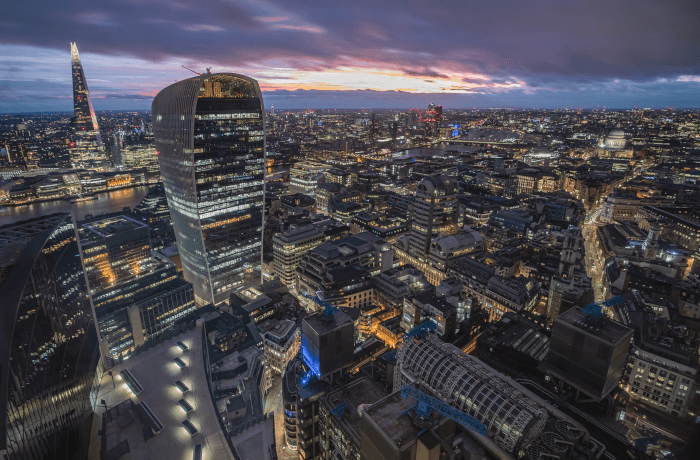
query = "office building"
{"x": 588, "y": 353}
{"x": 137, "y": 294}
{"x": 435, "y": 211}
{"x": 49, "y": 350}
{"x": 281, "y": 342}
{"x": 342, "y": 269}
{"x": 664, "y": 364}
{"x": 290, "y": 246}
{"x": 210, "y": 137}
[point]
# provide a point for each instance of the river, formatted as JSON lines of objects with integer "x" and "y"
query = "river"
{"x": 108, "y": 202}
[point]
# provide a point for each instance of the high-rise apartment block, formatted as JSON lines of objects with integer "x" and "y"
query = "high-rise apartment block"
{"x": 49, "y": 349}
{"x": 210, "y": 137}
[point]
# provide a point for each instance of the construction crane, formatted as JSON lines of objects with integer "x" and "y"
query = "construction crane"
{"x": 194, "y": 71}
{"x": 426, "y": 404}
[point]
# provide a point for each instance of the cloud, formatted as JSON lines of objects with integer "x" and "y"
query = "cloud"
{"x": 203, "y": 28}
{"x": 303, "y": 28}
{"x": 272, "y": 18}
{"x": 412, "y": 46}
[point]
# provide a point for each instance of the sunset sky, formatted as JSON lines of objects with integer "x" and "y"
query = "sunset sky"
{"x": 358, "y": 53}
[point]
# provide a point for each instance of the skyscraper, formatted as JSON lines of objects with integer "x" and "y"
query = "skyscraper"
{"x": 434, "y": 211}
{"x": 211, "y": 147}
{"x": 433, "y": 120}
{"x": 87, "y": 147}
{"x": 48, "y": 342}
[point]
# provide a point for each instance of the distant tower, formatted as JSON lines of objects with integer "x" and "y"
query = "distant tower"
{"x": 394, "y": 128}
{"x": 272, "y": 109}
{"x": 85, "y": 119}
{"x": 117, "y": 151}
{"x": 433, "y": 120}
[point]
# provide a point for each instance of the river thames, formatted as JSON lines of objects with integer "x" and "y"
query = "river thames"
{"x": 108, "y": 202}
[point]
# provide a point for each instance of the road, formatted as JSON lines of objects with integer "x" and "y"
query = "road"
{"x": 594, "y": 258}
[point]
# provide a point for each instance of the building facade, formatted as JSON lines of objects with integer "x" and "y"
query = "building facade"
{"x": 434, "y": 211}
{"x": 49, "y": 350}
{"x": 136, "y": 294}
{"x": 289, "y": 247}
{"x": 210, "y": 137}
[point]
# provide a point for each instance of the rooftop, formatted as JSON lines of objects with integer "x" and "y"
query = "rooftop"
{"x": 362, "y": 391}
{"x": 155, "y": 371}
{"x": 609, "y": 330}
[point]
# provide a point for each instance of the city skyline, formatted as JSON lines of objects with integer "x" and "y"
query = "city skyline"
{"x": 396, "y": 55}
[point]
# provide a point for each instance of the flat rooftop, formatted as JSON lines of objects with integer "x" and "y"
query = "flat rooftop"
{"x": 156, "y": 372}
{"x": 362, "y": 391}
{"x": 609, "y": 330}
{"x": 390, "y": 414}
{"x": 113, "y": 225}
{"x": 319, "y": 325}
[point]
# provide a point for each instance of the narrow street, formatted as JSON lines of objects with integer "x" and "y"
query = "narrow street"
{"x": 594, "y": 260}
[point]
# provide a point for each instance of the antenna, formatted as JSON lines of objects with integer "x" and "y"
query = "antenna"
{"x": 193, "y": 70}
{"x": 208, "y": 69}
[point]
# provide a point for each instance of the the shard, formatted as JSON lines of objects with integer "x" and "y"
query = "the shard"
{"x": 86, "y": 149}
{"x": 85, "y": 119}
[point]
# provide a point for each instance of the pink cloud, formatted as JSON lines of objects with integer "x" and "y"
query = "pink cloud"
{"x": 308, "y": 28}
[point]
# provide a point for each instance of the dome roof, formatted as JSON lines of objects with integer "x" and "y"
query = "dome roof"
{"x": 616, "y": 139}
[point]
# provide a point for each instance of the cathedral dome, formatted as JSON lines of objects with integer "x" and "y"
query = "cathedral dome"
{"x": 616, "y": 139}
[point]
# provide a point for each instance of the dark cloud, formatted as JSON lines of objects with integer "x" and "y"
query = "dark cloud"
{"x": 549, "y": 45}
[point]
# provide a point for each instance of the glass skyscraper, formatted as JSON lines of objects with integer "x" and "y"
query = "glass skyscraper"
{"x": 86, "y": 148}
{"x": 48, "y": 342}
{"x": 210, "y": 137}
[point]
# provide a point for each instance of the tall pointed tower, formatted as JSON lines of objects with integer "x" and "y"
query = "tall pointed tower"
{"x": 85, "y": 119}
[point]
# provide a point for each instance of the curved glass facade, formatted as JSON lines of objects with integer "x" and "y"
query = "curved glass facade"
{"x": 470, "y": 386}
{"x": 210, "y": 138}
{"x": 48, "y": 342}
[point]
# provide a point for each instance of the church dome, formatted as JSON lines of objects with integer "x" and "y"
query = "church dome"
{"x": 616, "y": 139}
